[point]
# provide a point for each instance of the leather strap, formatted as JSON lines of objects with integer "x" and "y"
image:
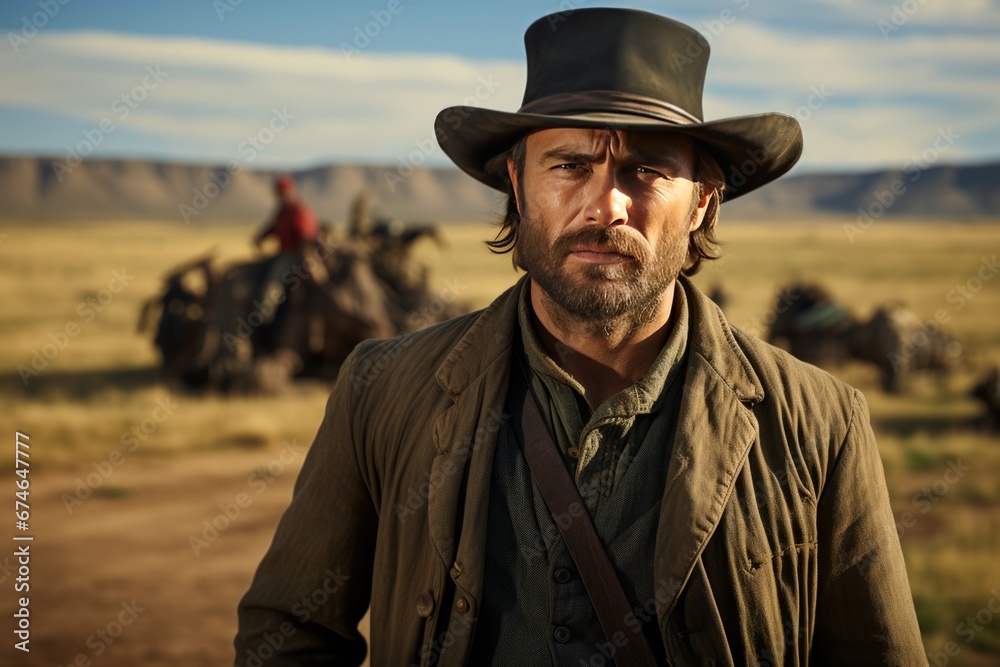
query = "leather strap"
{"x": 573, "y": 520}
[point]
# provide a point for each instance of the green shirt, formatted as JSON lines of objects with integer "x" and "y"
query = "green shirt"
{"x": 598, "y": 446}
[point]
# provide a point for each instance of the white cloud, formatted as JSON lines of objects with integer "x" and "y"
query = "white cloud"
{"x": 938, "y": 14}
{"x": 213, "y": 94}
{"x": 886, "y": 97}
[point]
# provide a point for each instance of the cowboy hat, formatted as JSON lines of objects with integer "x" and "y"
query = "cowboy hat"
{"x": 619, "y": 69}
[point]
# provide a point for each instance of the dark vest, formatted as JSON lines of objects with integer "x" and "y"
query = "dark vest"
{"x": 535, "y": 609}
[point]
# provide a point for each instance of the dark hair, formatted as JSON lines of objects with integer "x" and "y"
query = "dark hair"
{"x": 506, "y": 238}
{"x": 703, "y": 243}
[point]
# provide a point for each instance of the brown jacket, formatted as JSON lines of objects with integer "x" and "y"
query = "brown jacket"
{"x": 776, "y": 542}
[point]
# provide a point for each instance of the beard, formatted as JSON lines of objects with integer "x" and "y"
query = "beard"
{"x": 615, "y": 298}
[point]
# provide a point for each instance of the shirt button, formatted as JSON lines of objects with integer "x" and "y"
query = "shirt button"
{"x": 561, "y": 634}
{"x": 462, "y": 605}
{"x": 563, "y": 576}
{"x": 425, "y": 605}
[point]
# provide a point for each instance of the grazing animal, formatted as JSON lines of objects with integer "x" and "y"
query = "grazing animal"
{"x": 810, "y": 324}
{"x": 899, "y": 343}
{"x": 814, "y": 328}
{"x": 180, "y": 312}
{"x": 987, "y": 390}
{"x": 336, "y": 295}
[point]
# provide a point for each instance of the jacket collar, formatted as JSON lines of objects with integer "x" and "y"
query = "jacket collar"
{"x": 475, "y": 375}
{"x": 491, "y": 335}
{"x": 715, "y": 431}
{"x": 716, "y": 428}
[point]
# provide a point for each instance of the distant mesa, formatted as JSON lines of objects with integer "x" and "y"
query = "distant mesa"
{"x": 36, "y": 189}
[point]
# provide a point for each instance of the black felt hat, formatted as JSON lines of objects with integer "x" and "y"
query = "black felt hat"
{"x": 620, "y": 69}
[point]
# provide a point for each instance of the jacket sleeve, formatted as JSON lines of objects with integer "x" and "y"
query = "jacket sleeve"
{"x": 313, "y": 585}
{"x": 865, "y": 611}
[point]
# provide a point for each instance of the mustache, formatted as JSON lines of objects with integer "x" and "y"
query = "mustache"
{"x": 608, "y": 239}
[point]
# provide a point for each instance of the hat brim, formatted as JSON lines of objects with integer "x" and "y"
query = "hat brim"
{"x": 752, "y": 150}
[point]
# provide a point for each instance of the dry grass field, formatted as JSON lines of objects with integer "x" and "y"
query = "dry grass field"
{"x": 125, "y": 474}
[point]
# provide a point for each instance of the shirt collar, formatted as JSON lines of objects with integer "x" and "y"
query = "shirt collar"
{"x": 643, "y": 395}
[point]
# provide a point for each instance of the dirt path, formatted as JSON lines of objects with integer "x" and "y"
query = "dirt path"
{"x": 128, "y": 560}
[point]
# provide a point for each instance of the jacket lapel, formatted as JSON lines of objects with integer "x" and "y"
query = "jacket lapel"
{"x": 475, "y": 376}
{"x": 714, "y": 434}
{"x": 715, "y": 431}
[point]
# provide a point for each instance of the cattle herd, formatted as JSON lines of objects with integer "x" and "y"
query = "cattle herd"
{"x": 810, "y": 324}
{"x": 214, "y": 332}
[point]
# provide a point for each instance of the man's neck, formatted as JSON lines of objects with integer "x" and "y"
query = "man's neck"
{"x": 604, "y": 364}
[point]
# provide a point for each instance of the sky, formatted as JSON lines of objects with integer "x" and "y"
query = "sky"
{"x": 875, "y": 84}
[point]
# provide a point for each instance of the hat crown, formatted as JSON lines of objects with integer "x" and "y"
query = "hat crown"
{"x": 619, "y": 50}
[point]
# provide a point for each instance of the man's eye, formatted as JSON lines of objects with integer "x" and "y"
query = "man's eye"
{"x": 648, "y": 171}
{"x": 567, "y": 166}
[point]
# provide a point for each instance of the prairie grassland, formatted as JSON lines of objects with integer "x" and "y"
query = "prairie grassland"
{"x": 100, "y": 384}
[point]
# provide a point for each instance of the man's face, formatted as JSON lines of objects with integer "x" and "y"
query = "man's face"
{"x": 605, "y": 219}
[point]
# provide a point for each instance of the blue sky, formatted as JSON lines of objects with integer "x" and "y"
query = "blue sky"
{"x": 874, "y": 83}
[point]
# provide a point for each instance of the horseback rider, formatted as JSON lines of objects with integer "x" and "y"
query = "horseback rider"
{"x": 294, "y": 225}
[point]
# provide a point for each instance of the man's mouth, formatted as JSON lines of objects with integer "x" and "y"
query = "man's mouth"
{"x": 599, "y": 255}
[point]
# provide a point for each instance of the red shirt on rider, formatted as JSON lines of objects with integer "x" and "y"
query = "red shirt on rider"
{"x": 294, "y": 223}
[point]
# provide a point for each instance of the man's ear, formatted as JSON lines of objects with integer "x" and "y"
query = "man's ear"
{"x": 702, "y": 207}
{"x": 512, "y": 173}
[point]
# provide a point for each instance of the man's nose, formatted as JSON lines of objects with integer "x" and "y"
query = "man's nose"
{"x": 607, "y": 204}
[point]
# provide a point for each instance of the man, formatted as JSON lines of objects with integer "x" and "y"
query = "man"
{"x": 294, "y": 225}
{"x": 736, "y": 492}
